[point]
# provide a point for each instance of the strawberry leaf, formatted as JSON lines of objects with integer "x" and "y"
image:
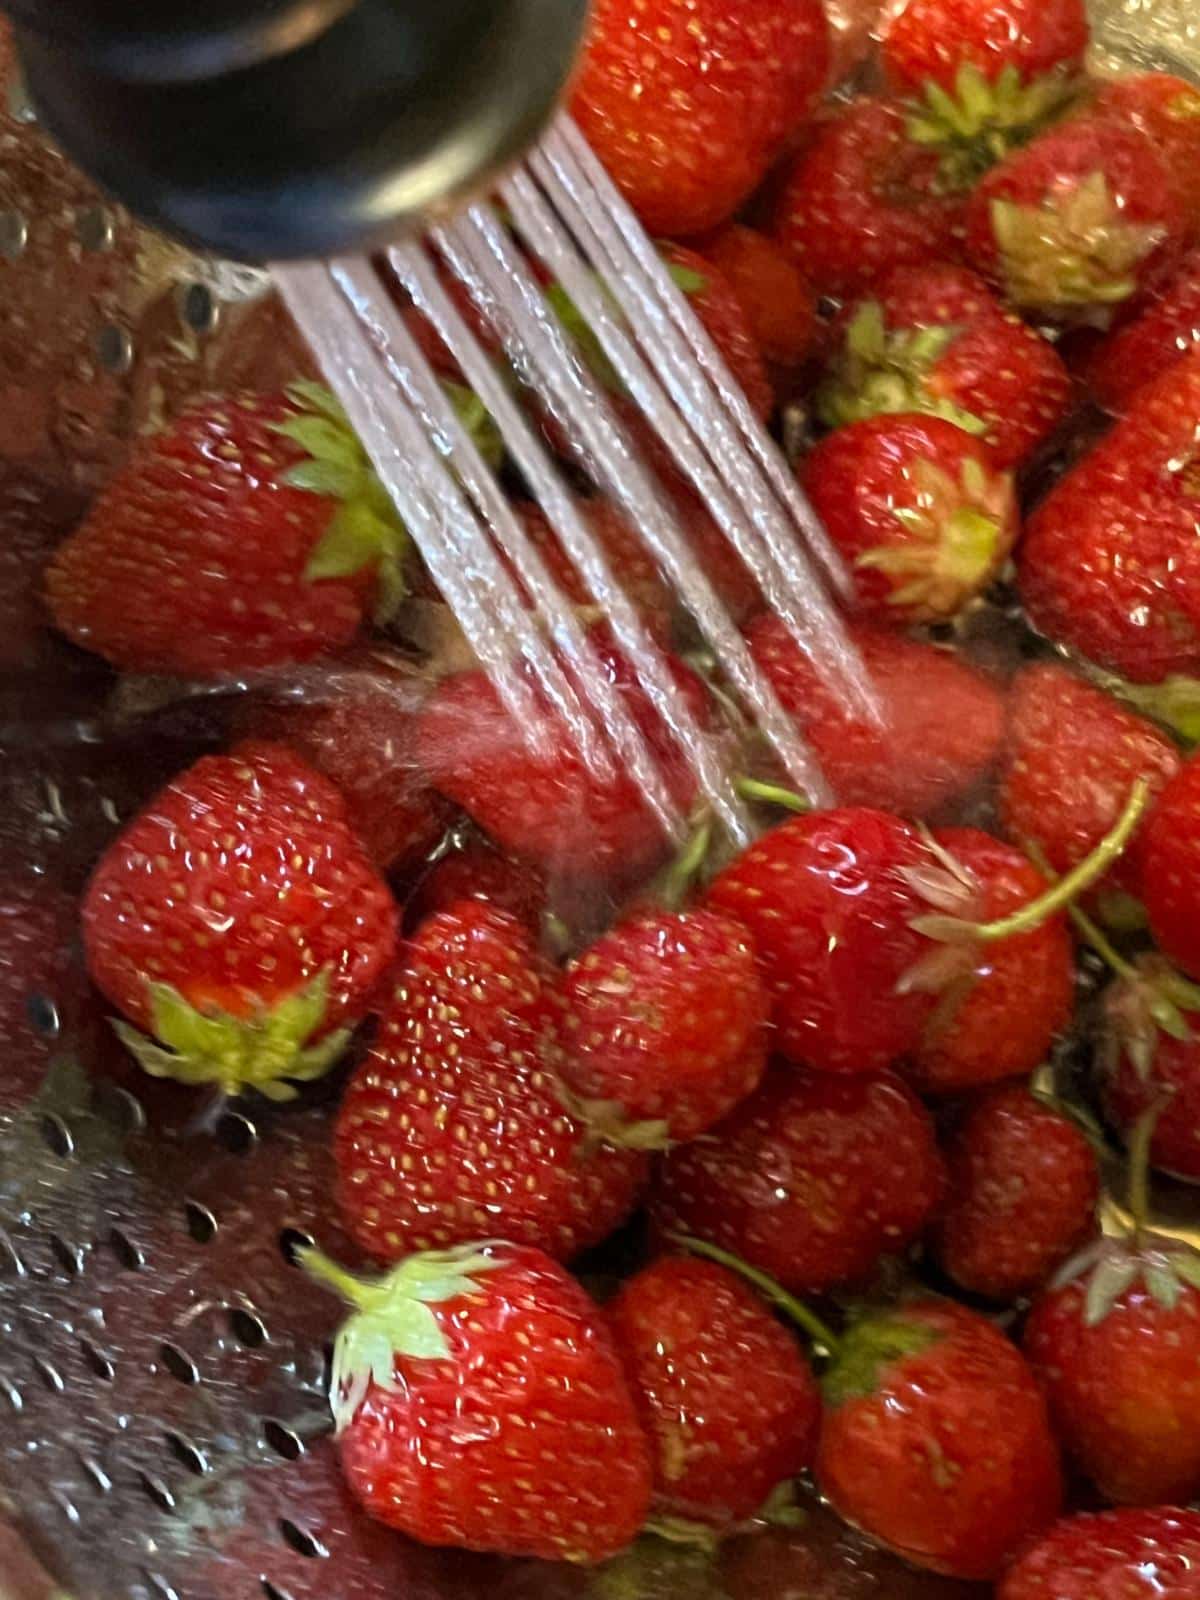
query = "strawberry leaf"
{"x": 1113, "y": 1275}
{"x": 323, "y": 440}
{"x": 687, "y": 278}
{"x": 357, "y": 537}
{"x": 867, "y": 1350}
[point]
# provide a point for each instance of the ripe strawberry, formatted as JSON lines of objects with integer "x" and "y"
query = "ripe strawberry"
{"x": 919, "y": 511}
{"x": 862, "y": 199}
{"x": 252, "y": 533}
{"x": 1077, "y": 222}
{"x": 238, "y": 921}
{"x": 1116, "y": 1344}
{"x": 728, "y": 1403}
{"x": 625, "y": 549}
{"x": 480, "y": 1403}
{"x": 356, "y": 723}
{"x": 778, "y": 303}
{"x": 1171, "y": 869}
{"x": 942, "y": 720}
{"x": 453, "y": 1128}
{"x": 1074, "y": 754}
{"x": 665, "y": 1024}
{"x": 812, "y": 1180}
{"x": 1167, "y": 109}
{"x": 828, "y": 906}
{"x": 1150, "y": 1060}
{"x": 935, "y": 1439}
{"x": 37, "y": 927}
{"x": 931, "y": 41}
{"x": 1141, "y": 350}
{"x": 726, "y": 319}
{"x": 477, "y": 871}
{"x": 1001, "y": 1004}
{"x": 547, "y": 806}
{"x": 1022, "y": 1195}
{"x": 1108, "y": 564}
{"x": 687, "y": 113}
{"x": 935, "y": 339}
{"x": 1112, "y": 1555}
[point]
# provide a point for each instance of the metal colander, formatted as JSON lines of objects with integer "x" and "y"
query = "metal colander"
{"x": 163, "y": 1425}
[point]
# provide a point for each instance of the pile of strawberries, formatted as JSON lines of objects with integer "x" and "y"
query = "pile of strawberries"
{"x": 807, "y": 1084}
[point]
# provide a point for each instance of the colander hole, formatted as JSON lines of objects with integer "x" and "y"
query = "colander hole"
{"x": 11, "y": 1393}
{"x": 97, "y": 1474}
{"x": 249, "y": 1331}
{"x": 100, "y": 1364}
{"x": 43, "y": 1014}
{"x": 126, "y": 1252}
{"x": 236, "y": 1133}
{"x": 272, "y": 1592}
{"x": 114, "y": 348}
{"x": 301, "y": 1541}
{"x": 187, "y": 1454}
{"x": 14, "y": 234}
{"x": 160, "y": 1585}
{"x": 94, "y": 228}
{"x": 283, "y": 1441}
{"x": 56, "y": 1136}
{"x": 202, "y": 1225}
{"x": 11, "y": 1264}
{"x": 291, "y": 1242}
{"x": 179, "y": 1364}
{"x": 69, "y": 1256}
{"x": 198, "y": 308}
{"x": 157, "y": 1491}
{"x": 120, "y": 1107}
{"x": 49, "y": 1375}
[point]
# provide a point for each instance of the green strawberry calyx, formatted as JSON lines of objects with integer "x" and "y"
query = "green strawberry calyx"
{"x": 869, "y": 1349}
{"x": 1174, "y": 702}
{"x": 883, "y": 371}
{"x": 585, "y": 338}
{"x": 1149, "y": 998}
{"x": 270, "y": 1051}
{"x": 392, "y": 1317}
{"x": 365, "y": 531}
{"x": 984, "y": 119}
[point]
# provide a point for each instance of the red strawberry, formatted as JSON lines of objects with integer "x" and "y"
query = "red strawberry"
{"x": 918, "y": 510}
{"x": 943, "y": 721}
{"x": 356, "y": 723}
{"x": 777, "y": 301}
{"x": 1112, "y": 1555}
{"x": 727, "y": 320}
{"x": 1171, "y": 869}
{"x": 1150, "y": 1060}
{"x": 1078, "y": 221}
{"x": 727, "y": 1400}
{"x": 1161, "y": 335}
{"x": 453, "y": 1128}
{"x": 935, "y": 1439}
{"x": 239, "y": 922}
{"x": 1000, "y": 1004}
{"x": 1074, "y": 754}
{"x": 1022, "y": 1195}
{"x": 931, "y": 41}
{"x": 549, "y": 807}
{"x": 935, "y": 339}
{"x": 1167, "y": 109}
{"x": 476, "y": 871}
{"x": 827, "y": 903}
{"x": 1116, "y": 1345}
{"x": 687, "y": 112}
{"x": 812, "y": 1180}
{"x": 665, "y": 1023}
{"x": 625, "y": 549}
{"x": 862, "y": 199}
{"x": 480, "y": 1403}
{"x": 37, "y": 926}
{"x": 1108, "y": 564}
{"x": 252, "y": 533}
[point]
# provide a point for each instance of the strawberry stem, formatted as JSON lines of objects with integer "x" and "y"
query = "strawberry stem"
{"x": 823, "y": 1336}
{"x": 772, "y": 794}
{"x": 324, "y": 1271}
{"x": 1138, "y": 1154}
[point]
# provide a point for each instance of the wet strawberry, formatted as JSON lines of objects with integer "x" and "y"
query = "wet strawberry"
{"x": 777, "y": 301}
{"x": 238, "y": 922}
{"x": 942, "y": 721}
{"x": 477, "y": 871}
{"x": 1128, "y": 1555}
{"x": 665, "y": 1024}
{"x": 624, "y": 549}
{"x": 812, "y": 1180}
{"x": 687, "y": 112}
{"x": 936, "y": 340}
{"x": 1149, "y": 1060}
{"x": 1167, "y": 110}
{"x": 1021, "y": 1196}
{"x": 1171, "y": 869}
{"x": 480, "y": 1403}
{"x": 919, "y": 511}
{"x": 1140, "y": 351}
{"x": 862, "y": 199}
{"x": 453, "y": 1128}
{"x": 936, "y": 1441}
{"x": 727, "y": 1400}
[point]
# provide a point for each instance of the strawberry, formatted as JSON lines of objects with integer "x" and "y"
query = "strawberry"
{"x": 238, "y": 921}
{"x": 547, "y": 806}
{"x": 812, "y": 1180}
{"x": 919, "y": 511}
{"x": 1108, "y": 563}
{"x": 665, "y": 1023}
{"x": 1171, "y": 869}
{"x": 1022, "y": 1195}
{"x": 357, "y": 724}
{"x": 1000, "y": 1004}
{"x": 1139, "y": 351}
{"x": 1112, "y": 1555}
{"x": 727, "y": 1401}
{"x": 480, "y": 1402}
{"x": 778, "y": 303}
{"x": 862, "y": 199}
{"x": 1077, "y": 222}
{"x": 250, "y": 534}
{"x": 1150, "y": 1059}
{"x": 37, "y": 927}
{"x": 622, "y": 546}
{"x": 942, "y": 720}
{"x": 936, "y": 340}
{"x": 1074, "y": 753}
{"x": 935, "y": 1440}
{"x": 453, "y": 1127}
{"x": 687, "y": 112}
{"x": 477, "y": 871}
{"x": 1167, "y": 110}
{"x": 827, "y": 904}
{"x": 727, "y": 320}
